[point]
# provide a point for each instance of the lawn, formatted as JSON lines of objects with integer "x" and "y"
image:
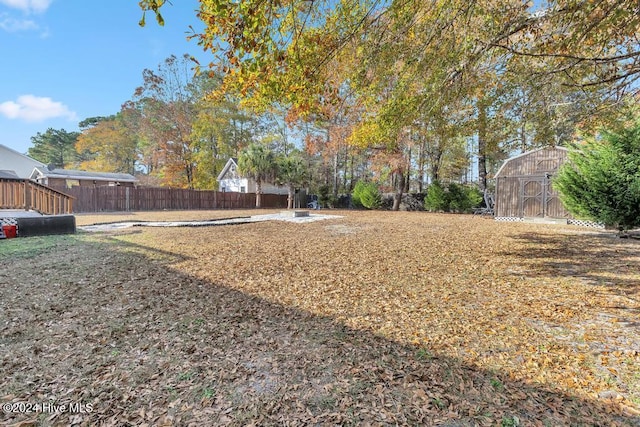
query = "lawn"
{"x": 376, "y": 318}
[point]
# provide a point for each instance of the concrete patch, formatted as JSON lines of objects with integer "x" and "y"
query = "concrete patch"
{"x": 228, "y": 221}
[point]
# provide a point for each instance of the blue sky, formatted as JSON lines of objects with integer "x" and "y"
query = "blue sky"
{"x": 64, "y": 60}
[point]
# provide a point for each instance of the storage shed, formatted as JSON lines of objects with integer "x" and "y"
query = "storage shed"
{"x": 524, "y": 189}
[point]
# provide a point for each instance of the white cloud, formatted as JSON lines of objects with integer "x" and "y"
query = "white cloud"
{"x": 37, "y": 6}
{"x": 14, "y": 25}
{"x": 32, "y": 108}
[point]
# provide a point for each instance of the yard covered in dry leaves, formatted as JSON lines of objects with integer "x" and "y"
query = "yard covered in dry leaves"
{"x": 377, "y": 318}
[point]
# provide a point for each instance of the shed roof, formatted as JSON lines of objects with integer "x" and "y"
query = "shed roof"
{"x": 525, "y": 154}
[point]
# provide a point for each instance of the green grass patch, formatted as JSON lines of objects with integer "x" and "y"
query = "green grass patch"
{"x": 29, "y": 247}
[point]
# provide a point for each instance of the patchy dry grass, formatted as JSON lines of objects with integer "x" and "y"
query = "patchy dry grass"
{"x": 378, "y": 318}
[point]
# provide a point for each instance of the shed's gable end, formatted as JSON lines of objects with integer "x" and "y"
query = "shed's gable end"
{"x": 538, "y": 162}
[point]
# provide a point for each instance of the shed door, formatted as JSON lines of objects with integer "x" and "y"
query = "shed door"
{"x": 539, "y": 199}
{"x": 532, "y": 197}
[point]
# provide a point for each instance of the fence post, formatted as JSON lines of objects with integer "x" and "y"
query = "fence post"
{"x": 127, "y": 199}
{"x": 26, "y": 204}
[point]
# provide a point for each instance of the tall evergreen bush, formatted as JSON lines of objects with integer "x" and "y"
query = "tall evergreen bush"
{"x": 366, "y": 195}
{"x": 601, "y": 180}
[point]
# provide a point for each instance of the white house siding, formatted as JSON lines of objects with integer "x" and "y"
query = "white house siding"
{"x": 230, "y": 180}
{"x": 19, "y": 163}
{"x": 249, "y": 186}
{"x": 235, "y": 185}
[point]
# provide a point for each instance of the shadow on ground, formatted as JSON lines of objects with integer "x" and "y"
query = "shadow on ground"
{"x": 144, "y": 344}
{"x": 615, "y": 266}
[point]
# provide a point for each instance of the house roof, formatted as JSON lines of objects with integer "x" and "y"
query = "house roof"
{"x": 19, "y": 163}
{"x": 5, "y": 174}
{"x": 19, "y": 154}
{"x": 233, "y": 161}
{"x": 76, "y": 174}
{"x": 526, "y": 153}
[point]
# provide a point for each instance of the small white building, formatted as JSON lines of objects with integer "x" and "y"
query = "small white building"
{"x": 22, "y": 165}
{"x": 229, "y": 180}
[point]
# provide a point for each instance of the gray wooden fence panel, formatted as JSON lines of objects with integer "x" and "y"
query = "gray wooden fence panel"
{"x": 121, "y": 199}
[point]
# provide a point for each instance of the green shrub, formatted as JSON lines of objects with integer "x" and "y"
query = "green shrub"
{"x": 325, "y": 196}
{"x": 455, "y": 198}
{"x": 463, "y": 198}
{"x": 366, "y": 195}
{"x": 475, "y": 196}
{"x": 601, "y": 181}
{"x": 436, "y": 199}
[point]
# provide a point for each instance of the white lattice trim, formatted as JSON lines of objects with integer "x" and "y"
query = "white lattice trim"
{"x": 509, "y": 219}
{"x": 584, "y": 223}
{"x": 8, "y": 221}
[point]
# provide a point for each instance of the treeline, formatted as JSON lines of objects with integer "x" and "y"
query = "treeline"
{"x": 172, "y": 134}
{"x": 167, "y": 133}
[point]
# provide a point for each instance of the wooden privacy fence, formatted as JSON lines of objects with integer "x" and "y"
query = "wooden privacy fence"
{"x": 122, "y": 199}
{"x": 29, "y": 195}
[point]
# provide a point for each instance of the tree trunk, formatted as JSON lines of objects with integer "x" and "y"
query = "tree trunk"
{"x": 188, "y": 169}
{"x": 284, "y": 139}
{"x": 351, "y": 174}
{"x": 407, "y": 181}
{"x": 344, "y": 168}
{"x": 435, "y": 166}
{"x": 335, "y": 175}
{"x": 258, "y": 194}
{"x": 397, "y": 197}
{"x": 421, "y": 165}
{"x": 291, "y": 196}
{"x": 482, "y": 146}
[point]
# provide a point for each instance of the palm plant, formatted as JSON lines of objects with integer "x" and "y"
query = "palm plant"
{"x": 257, "y": 162}
{"x": 292, "y": 172}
